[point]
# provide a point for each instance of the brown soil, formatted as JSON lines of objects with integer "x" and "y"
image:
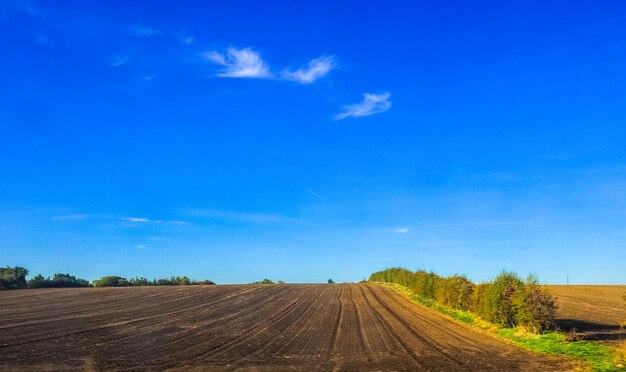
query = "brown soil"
{"x": 592, "y": 312}
{"x": 276, "y": 327}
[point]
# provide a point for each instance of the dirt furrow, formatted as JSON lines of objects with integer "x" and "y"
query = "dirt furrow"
{"x": 273, "y": 328}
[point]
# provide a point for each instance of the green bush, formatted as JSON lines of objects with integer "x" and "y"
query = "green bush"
{"x": 264, "y": 281}
{"x": 501, "y": 307}
{"x": 57, "y": 281}
{"x": 507, "y": 301}
{"x": 13, "y": 277}
{"x": 112, "y": 281}
{"x": 455, "y": 291}
{"x": 535, "y": 307}
{"x": 479, "y": 298}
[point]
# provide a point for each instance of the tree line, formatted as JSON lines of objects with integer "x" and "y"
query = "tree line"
{"x": 508, "y": 300}
{"x": 15, "y": 278}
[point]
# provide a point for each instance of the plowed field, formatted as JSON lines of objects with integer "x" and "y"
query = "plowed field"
{"x": 592, "y": 312}
{"x": 279, "y": 327}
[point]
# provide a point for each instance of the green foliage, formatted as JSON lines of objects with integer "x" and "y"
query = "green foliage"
{"x": 57, "y": 281}
{"x": 455, "y": 291}
{"x": 535, "y": 307}
{"x": 112, "y": 281}
{"x": 264, "y": 281}
{"x": 330, "y": 281}
{"x": 118, "y": 281}
{"x": 13, "y": 277}
{"x": 507, "y": 301}
{"x": 500, "y": 299}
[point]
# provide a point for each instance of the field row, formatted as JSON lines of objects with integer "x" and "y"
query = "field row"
{"x": 351, "y": 326}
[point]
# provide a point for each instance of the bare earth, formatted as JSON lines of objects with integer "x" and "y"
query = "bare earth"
{"x": 279, "y": 327}
{"x": 594, "y": 312}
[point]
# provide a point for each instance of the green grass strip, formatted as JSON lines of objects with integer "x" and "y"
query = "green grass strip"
{"x": 597, "y": 356}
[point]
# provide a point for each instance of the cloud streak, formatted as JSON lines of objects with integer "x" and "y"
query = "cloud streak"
{"x": 128, "y": 220}
{"x": 217, "y": 214}
{"x": 144, "y": 31}
{"x": 239, "y": 63}
{"x": 116, "y": 61}
{"x": 371, "y": 104}
{"x": 316, "y": 69}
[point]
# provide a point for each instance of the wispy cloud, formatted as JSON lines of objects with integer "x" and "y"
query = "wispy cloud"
{"x": 371, "y": 104}
{"x": 140, "y": 30}
{"x": 128, "y": 220}
{"x": 401, "y": 230}
{"x": 316, "y": 195}
{"x": 44, "y": 40}
{"x": 317, "y": 68}
{"x": 184, "y": 37}
{"x": 237, "y": 216}
{"x": 115, "y": 61}
{"x": 239, "y": 63}
{"x": 139, "y": 246}
{"x": 142, "y": 220}
{"x": 75, "y": 217}
{"x": 137, "y": 219}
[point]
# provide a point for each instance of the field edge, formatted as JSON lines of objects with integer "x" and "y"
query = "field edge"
{"x": 589, "y": 355}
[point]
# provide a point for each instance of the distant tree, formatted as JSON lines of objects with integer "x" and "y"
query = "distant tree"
{"x": 264, "y": 281}
{"x": 13, "y": 277}
{"x": 330, "y": 281}
{"x": 112, "y": 281}
{"x": 37, "y": 282}
{"x": 59, "y": 280}
{"x": 140, "y": 282}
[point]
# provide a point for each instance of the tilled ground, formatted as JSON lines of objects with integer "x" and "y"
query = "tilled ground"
{"x": 592, "y": 312}
{"x": 303, "y": 327}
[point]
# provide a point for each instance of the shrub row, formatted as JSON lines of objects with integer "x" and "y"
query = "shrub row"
{"x": 507, "y": 301}
{"x": 118, "y": 281}
{"x": 15, "y": 278}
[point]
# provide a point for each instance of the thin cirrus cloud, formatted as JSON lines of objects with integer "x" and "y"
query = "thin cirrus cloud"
{"x": 140, "y": 30}
{"x": 116, "y": 61}
{"x": 130, "y": 220}
{"x": 216, "y": 214}
{"x": 247, "y": 63}
{"x": 239, "y": 63}
{"x": 316, "y": 69}
{"x": 371, "y": 104}
{"x": 184, "y": 37}
{"x": 401, "y": 230}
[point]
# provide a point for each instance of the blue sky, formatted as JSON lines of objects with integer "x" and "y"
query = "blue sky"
{"x": 241, "y": 140}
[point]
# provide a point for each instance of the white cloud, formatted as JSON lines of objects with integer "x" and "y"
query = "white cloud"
{"x": 145, "y": 31}
{"x": 320, "y": 197}
{"x": 317, "y": 68}
{"x": 239, "y": 63}
{"x": 115, "y": 61}
{"x": 139, "y": 246}
{"x": 236, "y": 216}
{"x": 137, "y": 219}
{"x": 184, "y": 37}
{"x": 401, "y": 230}
{"x": 371, "y": 104}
